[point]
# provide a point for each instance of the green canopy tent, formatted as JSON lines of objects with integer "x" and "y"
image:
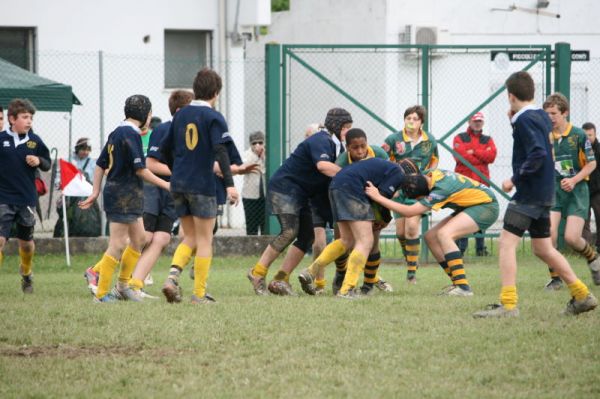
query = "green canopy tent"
{"x": 45, "y": 94}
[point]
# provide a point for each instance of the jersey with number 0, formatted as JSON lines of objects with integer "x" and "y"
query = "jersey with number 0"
{"x": 122, "y": 156}
{"x": 455, "y": 191}
{"x": 189, "y": 148}
{"x": 572, "y": 150}
{"x": 424, "y": 152}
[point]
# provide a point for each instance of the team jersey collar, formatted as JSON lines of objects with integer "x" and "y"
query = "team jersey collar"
{"x": 132, "y": 125}
{"x": 200, "y": 103}
{"x": 522, "y": 111}
{"x": 557, "y": 136}
{"x": 18, "y": 141}
{"x": 422, "y": 137}
{"x": 370, "y": 154}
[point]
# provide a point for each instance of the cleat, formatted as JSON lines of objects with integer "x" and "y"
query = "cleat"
{"x": 446, "y": 289}
{"x": 554, "y": 284}
{"x": 117, "y": 293}
{"x": 145, "y": 295}
{"x": 92, "y": 279}
{"x": 384, "y": 286}
{"x": 258, "y": 283}
{"x": 412, "y": 279}
{"x": 207, "y": 299}
{"x": 367, "y": 290}
{"x": 172, "y": 291}
{"x": 129, "y": 294}
{"x": 338, "y": 280}
{"x": 596, "y": 277}
{"x": 577, "y": 307}
{"x": 281, "y": 287}
{"x": 496, "y": 310}
{"x": 148, "y": 281}
{"x": 457, "y": 291}
{"x": 108, "y": 298}
{"x": 27, "y": 284}
{"x": 307, "y": 282}
{"x": 351, "y": 295}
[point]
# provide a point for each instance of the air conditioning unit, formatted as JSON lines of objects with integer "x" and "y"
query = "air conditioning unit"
{"x": 417, "y": 34}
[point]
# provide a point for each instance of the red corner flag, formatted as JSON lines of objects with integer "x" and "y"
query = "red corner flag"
{"x": 72, "y": 182}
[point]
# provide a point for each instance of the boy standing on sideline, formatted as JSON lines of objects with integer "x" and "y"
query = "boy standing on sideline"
{"x": 529, "y": 208}
{"x": 22, "y": 152}
{"x": 123, "y": 159}
{"x": 480, "y": 151}
{"x": 573, "y": 162}
{"x": 190, "y": 148}
{"x": 594, "y": 185}
{"x": 414, "y": 143}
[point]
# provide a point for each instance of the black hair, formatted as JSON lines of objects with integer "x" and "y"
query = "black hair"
{"x": 355, "y": 133}
{"x": 588, "y": 126}
{"x": 415, "y": 186}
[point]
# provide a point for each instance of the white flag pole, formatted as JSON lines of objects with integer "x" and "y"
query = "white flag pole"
{"x": 66, "y": 229}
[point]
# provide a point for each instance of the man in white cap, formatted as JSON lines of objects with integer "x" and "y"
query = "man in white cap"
{"x": 480, "y": 151}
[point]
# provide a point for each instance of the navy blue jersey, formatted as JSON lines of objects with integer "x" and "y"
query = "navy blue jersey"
{"x": 234, "y": 159}
{"x": 385, "y": 175}
{"x": 17, "y": 180}
{"x": 189, "y": 148}
{"x": 158, "y": 134}
{"x": 532, "y": 163}
{"x": 122, "y": 156}
{"x": 299, "y": 174}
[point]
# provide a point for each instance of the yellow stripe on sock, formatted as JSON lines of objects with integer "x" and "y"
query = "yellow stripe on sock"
{"x": 259, "y": 270}
{"x": 106, "y": 268}
{"x": 182, "y": 256}
{"x": 553, "y": 274}
{"x": 128, "y": 261}
{"x": 578, "y": 290}
{"x": 26, "y": 261}
{"x": 588, "y": 252}
{"x": 509, "y": 297}
{"x": 201, "y": 268}
{"x": 136, "y": 284}
{"x": 320, "y": 283}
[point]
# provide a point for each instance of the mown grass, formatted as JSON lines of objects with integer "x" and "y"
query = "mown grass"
{"x": 408, "y": 344}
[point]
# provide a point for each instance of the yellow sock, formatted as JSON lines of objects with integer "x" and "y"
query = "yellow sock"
{"x": 331, "y": 252}
{"x": 588, "y": 252}
{"x": 454, "y": 261}
{"x": 259, "y": 270}
{"x": 509, "y": 297}
{"x": 578, "y": 290}
{"x": 320, "y": 283}
{"x": 281, "y": 275}
{"x": 26, "y": 261}
{"x": 106, "y": 267}
{"x": 128, "y": 261}
{"x": 182, "y": 256}
{"x": 96, "y": 268}
{"x": 356, "y": 263}
{"x": 201, "y": 268}
{"x": 136, "y": 284}
{"x": 412, "y": 255}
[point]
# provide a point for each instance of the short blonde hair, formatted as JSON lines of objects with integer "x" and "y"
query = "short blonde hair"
{"x": 312, "y": 129}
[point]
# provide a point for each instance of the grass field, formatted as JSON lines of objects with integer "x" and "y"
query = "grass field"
{"x": 408, "y": 344}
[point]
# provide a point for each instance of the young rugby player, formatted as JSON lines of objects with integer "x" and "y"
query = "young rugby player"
{"x": 354, "y": 215}
{"x": 22, "y": 152}
{"x": 573, "y": 162}
{"x": 529, "y": 209}
{"x": 190, "y": 148}
{"x": 304, "y": 175}
{"x": 420, "y": 147}
{"x": 475, "y": 208}
{"x": 123, "y": 159}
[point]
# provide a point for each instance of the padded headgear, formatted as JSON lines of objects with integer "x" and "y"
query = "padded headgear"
{"x": 409, "y": 167}
{"x": 138, "y": 107}
{"x": 415, "y": 186}
{"x": 335, "y": 119}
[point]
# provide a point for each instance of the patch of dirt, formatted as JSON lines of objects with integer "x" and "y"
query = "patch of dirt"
{"x": 74, "y": 352}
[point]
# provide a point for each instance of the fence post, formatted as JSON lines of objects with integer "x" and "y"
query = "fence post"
{"x": 425, "y": 103}
{"x": 562, "y": 69}
{"x": 103, "y": 220}
{"x": 273, "y": 118}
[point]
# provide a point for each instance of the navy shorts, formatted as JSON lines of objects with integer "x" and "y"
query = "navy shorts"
{"x": 198, "y": 205}
{"x": 320, "y": 209}
{"x": 22, "y": 215}
{"x": 158, "y": 202}
{"x": 521, "y": 218}
{"x": 348, "y": 207}
{"x": 286, "y": 204}
{"x": 124, "y": 218}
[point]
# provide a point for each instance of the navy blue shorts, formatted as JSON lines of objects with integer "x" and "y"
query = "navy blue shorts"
{"x": 198, "y": 205}
{"x": 346, "y": 206}
{"x": 158, "y": 202}
{"x": 286, "y": 204}
{"x": 124, "y": 218}
{"x": 520, "y": 218}
{"x": 22, "y": 215}
{"x": 320, "y": 209}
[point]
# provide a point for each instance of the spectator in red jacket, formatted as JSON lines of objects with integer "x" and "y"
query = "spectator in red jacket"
{"x": 480, "y": 151}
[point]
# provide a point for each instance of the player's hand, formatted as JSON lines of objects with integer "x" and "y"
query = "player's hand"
{"x": 567, "y": 185}
{"x": 166, "y": 186}
{"x": 32, "y": 160}
{"x": 232, "y": 196}
{"x": 248, "y": 168}
{"x": 372, "y": 191}
{"x": 89, "y": 201}
{"x": 507, "y": 185}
